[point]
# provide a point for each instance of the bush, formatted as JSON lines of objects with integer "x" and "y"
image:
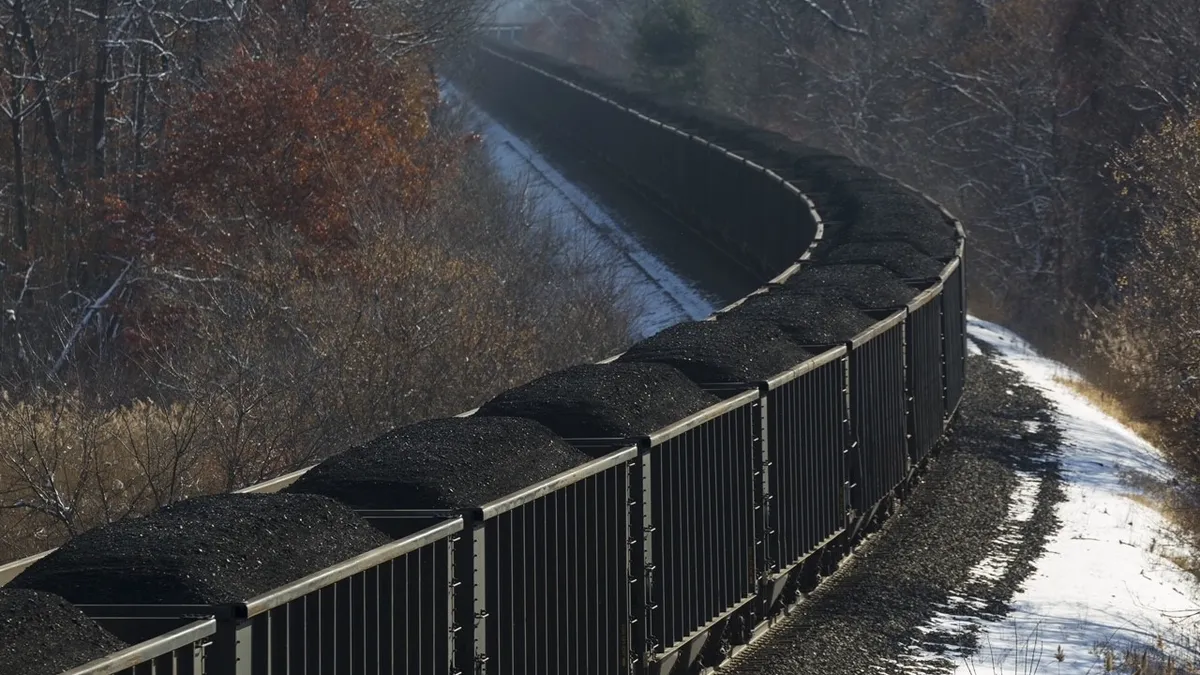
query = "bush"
{"x": 1148, "y": 342}
{"x": 669, "y": 41}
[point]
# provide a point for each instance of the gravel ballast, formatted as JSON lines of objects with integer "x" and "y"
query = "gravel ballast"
{"x": 805, "y": 318}
{"x": 869, "y": 613}
{"x": 615, "y": 400}
{"x": 867, "y": 286}
{"x": 41, "y": 634}
{"x": 711, "y": 352}
{"x": 205, "y": 550}
{"x": 454, "y": 463}
{"x": 902, "y": 259}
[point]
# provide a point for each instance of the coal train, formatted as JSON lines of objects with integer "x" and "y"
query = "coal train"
{"x": 651, "y": 513}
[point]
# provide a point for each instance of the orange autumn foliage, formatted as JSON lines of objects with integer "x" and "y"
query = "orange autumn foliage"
{"x": 297, "y": 128}
{"x": 298, "y": 124}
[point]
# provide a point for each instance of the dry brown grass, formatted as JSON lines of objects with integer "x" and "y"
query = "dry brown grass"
{"x": 1146, "y": 661}
{"x": 1179, "y": 502}
{"x": 66, "y": 465}
{"x": 1120, "y": 408}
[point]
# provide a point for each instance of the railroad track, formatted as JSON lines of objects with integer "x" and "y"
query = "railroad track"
{"x": 629, "y": 250}
{"x": 674, "y": 547}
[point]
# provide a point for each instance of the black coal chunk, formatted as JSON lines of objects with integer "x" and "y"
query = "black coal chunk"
{"x": 41, "y": 634}
{"x": 206, "y": 550}
{"x": 902, "y": 259}
{"x": 851, "y": 192}
{"x": 867, "y": 286}
{"x": 710, "y": 352}
{"x": 888, "y": 212}
{"x": 903, "y": 219}
{"x": 806, "y": 318}
{"x": 452, "y": 463}
{"x": 835, "y": 173}
{"x": 928, "y": 243}
{"x": 615, "y": 400}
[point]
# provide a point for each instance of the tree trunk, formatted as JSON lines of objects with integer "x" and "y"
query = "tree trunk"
{"x": 16, "y": 117}
{"x": 100, "y": 94}
{"x": 139, "y": 110}
{"x": 45, "y": 109}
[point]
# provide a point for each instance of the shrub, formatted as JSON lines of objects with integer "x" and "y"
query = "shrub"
{"x": 668, "y": 47}
{"x": 1148, "y": 342}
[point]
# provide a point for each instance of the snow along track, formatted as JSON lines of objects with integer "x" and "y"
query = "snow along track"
{"x": 678, "y": 293}
{"x": 943, "y": 636}
{"x": 662, "y": 297}
{"x": 1108, "y": 581}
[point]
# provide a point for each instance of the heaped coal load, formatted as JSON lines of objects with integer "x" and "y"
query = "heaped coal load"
{"x": 902, "y": 259}
{"x": 614, "y": 400}
{"x": 911, "y": 209}
{"x": 929, "y": 243}
{"x": 834, "y": 173}
{"x": 41, "y": 634}
{"x": 850, "y": 193}
{"x": 867, "y": 286}
{"x": 903, "y": 219}
{"x": 715, "y": 352}
{"x": 806, "y": 318}
{"x": 453, "y": 463}
{"x": 206, "y": 550}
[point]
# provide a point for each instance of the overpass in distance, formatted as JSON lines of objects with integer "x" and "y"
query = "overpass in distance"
{"x": 675, "y": 545}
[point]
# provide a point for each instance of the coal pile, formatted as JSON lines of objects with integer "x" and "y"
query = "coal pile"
{"x": 615, "y": 400}
{"x": 929, "y": 243}
{"x": 805, "y": 318}
{"x": 852, "y": 192}
{"x": 810, "y": 153}
{"x": 713, "y": 125}
{"x": 875, "y": 208}
{"x": 831, "y": 173}
{"x": 867, "y": 286}
{"x": 41, "y": 634}
{"x": 895, "y": 218}
{"x": 453, "y": 463}
{"x": 711, "y": 352}
{"x": 782, "y": 150}
{"x": 902, "y": 259}
{"x": 206, "y": 550}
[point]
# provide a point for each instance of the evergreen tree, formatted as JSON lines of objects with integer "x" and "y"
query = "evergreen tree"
{"x": 670, "y": 38}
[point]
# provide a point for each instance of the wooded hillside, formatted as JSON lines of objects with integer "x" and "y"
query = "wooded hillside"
{"x": 241, "y": 236}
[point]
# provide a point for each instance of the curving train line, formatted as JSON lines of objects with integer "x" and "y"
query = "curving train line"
{"x": 671, "y": 550}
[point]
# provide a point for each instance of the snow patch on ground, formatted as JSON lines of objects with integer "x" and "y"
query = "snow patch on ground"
{"x": 942, "y": 635}
{"x": 1106, "y": 580}
{"x": 661, "y": 298}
